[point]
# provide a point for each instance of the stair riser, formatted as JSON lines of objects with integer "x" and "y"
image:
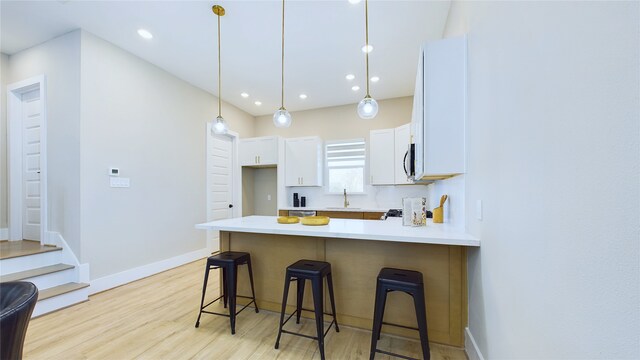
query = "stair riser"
{"x": 60, "y": 301}
{"x": 23, "y": 263}
{"x": 54, "y": 279}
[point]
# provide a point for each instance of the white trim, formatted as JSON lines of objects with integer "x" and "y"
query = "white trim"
{"x": 236, "y": 189}
{"x": 14, "y": 127}
{"x": 471, "y": 347}
{"x": 4, "y": 234}
{"x": 67, "y": 256}
{"x": 127, "y": 276}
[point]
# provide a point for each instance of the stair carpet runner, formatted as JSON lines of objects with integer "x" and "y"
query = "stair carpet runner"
{"x": 60, "y": 274}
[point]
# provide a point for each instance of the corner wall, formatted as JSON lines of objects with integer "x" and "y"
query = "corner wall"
{"x": 59, "y": 60}
{"x": 4, "y": 72}
{"x": 152, "y": 126}
{"x": 553, "y": 153}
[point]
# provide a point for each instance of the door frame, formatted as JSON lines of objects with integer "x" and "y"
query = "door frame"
{"x": 14, "y": 141}
{"x": 236, "y": 187}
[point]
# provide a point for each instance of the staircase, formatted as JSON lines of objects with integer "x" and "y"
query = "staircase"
{"x": 49, "y": 268}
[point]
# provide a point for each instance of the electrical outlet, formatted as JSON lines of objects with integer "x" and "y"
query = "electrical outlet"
{"x": 479, "y": 210}
{"x": 269, "y": 197}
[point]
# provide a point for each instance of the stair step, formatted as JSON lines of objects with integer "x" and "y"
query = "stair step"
{"x": 61, "y": 289}
{"x": 35, "y": 272}
{"x": 12, "y": 249}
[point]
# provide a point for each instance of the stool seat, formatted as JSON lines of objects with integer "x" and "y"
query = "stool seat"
{"x": 229, "y": 257}
{"x": 310, "y": 268}
{"x": 400, "y": 277}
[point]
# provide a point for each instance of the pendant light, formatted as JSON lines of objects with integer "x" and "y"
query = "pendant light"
{"x": 220, "y": 126}
{"x": 368, "y": 107}
{"x": 282, "y": 118}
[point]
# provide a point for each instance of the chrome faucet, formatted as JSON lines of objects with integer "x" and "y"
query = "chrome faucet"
{"x": 346, "y": 202}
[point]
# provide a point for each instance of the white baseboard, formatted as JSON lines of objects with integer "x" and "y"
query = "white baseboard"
{"x": 471, "y": 347}
{"x": 4, "y": 234}
{"x": 127, "y": 276}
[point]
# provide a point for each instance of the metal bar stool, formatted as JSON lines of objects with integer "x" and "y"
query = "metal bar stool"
{"x": 228, "y": 261}
{"x": 300, "y": 272}
{"x": 411, "y": 283}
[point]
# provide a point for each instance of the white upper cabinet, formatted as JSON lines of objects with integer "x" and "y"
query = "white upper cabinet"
{"x": 382, "y": 157}
{"x": 260, "y": 151}
{"x": 402, "y": 140}
{"x": 439, "y": 110}
{"x": 303, "y": 161}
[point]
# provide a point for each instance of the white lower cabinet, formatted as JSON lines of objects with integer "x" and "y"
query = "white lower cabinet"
{"x": 303, "y": 161}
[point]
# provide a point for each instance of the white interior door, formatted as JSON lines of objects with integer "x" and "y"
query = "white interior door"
{"x": 31, "y": 127}
{"x": 219, "y": 181}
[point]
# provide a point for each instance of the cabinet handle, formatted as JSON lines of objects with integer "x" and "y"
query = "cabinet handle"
{"x": 258, "y": 159}
{"x": 255, "y": 159}
{"x": 302, "y": 180}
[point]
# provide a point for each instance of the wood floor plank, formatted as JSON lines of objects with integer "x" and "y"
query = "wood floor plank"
{"x": 154, "y": 318}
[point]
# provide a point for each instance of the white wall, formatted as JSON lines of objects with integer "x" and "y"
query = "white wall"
{"x": 4, "y": 72}
{"x": 151, "y": 125}
{"x": 553, "y": 153}
{"x": 59, "y": 60}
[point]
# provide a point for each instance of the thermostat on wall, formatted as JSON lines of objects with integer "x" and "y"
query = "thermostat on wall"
{"x": 114, "y": 172}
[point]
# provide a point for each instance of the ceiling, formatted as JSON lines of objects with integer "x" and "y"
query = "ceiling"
{"x": 323, "y": 43}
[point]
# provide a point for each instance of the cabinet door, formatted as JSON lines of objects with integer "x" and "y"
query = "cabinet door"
{"x": 381, "y": 157}
{"x": 247, "y": 154}
{"x": 444, "y": 106}
{"x": 302, "y": 162}
{"x": 267, "y": 151}
{"x": 402, "y": 141}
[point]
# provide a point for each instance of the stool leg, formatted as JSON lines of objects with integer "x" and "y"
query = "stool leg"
{"x": 384, "y": 304}
{"x": 224, "y": 287}
{"x": 231, "y": 294}
{"x": 253, "y": 292}
{"x": 285, "y": 294}
{"x": 378, "y": 313}
{"x": 204, "y": 290}
{"x": 299, "y": 299}
{"x": 318, "y": 306}
{"x": 418, "y": 300}
{"x": 333, "y": 301}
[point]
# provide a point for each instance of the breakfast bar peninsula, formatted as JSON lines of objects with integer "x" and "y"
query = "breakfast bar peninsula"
{"x": 357, "y": 250}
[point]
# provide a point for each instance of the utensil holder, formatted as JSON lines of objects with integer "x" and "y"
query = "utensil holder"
{"x": 438, "y": 215}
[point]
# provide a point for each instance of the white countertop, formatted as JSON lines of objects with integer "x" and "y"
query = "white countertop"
{"x": 349, "y": 209}
{"x": 381, "y": 230}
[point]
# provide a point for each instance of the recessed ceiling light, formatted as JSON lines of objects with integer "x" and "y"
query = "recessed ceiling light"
{"x": 350, "y": 77}
{"x": 244, "y": 95}
{"x": 354, "y": 1}
{"x": 355, "y": 88}
{"x": 367, "y": 48}
{"x": 145, "y": 34}
{"x": 375, "y": 79}
{"x": 303, "y": 96}
{"x": 258, "y": 103}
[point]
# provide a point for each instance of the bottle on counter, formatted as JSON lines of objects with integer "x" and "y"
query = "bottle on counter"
{"x": 303, "y": 201}
{"x": 296, "y": 201}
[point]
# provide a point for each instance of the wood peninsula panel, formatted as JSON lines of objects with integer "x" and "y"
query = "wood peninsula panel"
{"x": 355, "y": 265}
{"x": 341, "y": 214}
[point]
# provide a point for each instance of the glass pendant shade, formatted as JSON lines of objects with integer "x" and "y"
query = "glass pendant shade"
{"x": 220, "y": 126}
{"x": 282, "y": 118}
{"x": 367, "y": 108}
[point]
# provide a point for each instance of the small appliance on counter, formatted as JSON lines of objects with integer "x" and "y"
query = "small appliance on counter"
{"x": 392, "y": 213}
{"x": 414, "y": 211}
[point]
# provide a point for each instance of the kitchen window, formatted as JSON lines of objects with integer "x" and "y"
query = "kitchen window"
{"x": 345, "y": 163}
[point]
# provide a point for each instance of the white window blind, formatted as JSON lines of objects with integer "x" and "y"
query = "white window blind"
{"x": 345, "y": 161}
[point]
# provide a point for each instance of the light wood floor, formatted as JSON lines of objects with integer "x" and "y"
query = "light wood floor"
{"x": 154, "y": 319}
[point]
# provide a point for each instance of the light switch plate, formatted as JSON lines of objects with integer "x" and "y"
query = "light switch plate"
{"x": 479, "y": 209}
{"x": 119, "y": 182}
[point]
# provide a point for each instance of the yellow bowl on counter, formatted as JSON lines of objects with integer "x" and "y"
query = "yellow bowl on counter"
{"x": 315, "y": 220}
{"x": 288, "y": 220}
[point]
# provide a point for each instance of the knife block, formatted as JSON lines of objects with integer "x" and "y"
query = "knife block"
{"x": 438, "y": 216}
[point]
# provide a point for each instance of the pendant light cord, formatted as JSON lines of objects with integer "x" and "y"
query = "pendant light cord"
{"x": 282, "y": 70}
{"x": 219, "y": 72}
{"x": 366, "y": 36}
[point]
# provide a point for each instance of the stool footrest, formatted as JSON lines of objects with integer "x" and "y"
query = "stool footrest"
{"x": 401, "y": 326}
{"x": 227, "y": 315}
{"x": 307, "y": 336}
{"x": 396, "y": 355}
